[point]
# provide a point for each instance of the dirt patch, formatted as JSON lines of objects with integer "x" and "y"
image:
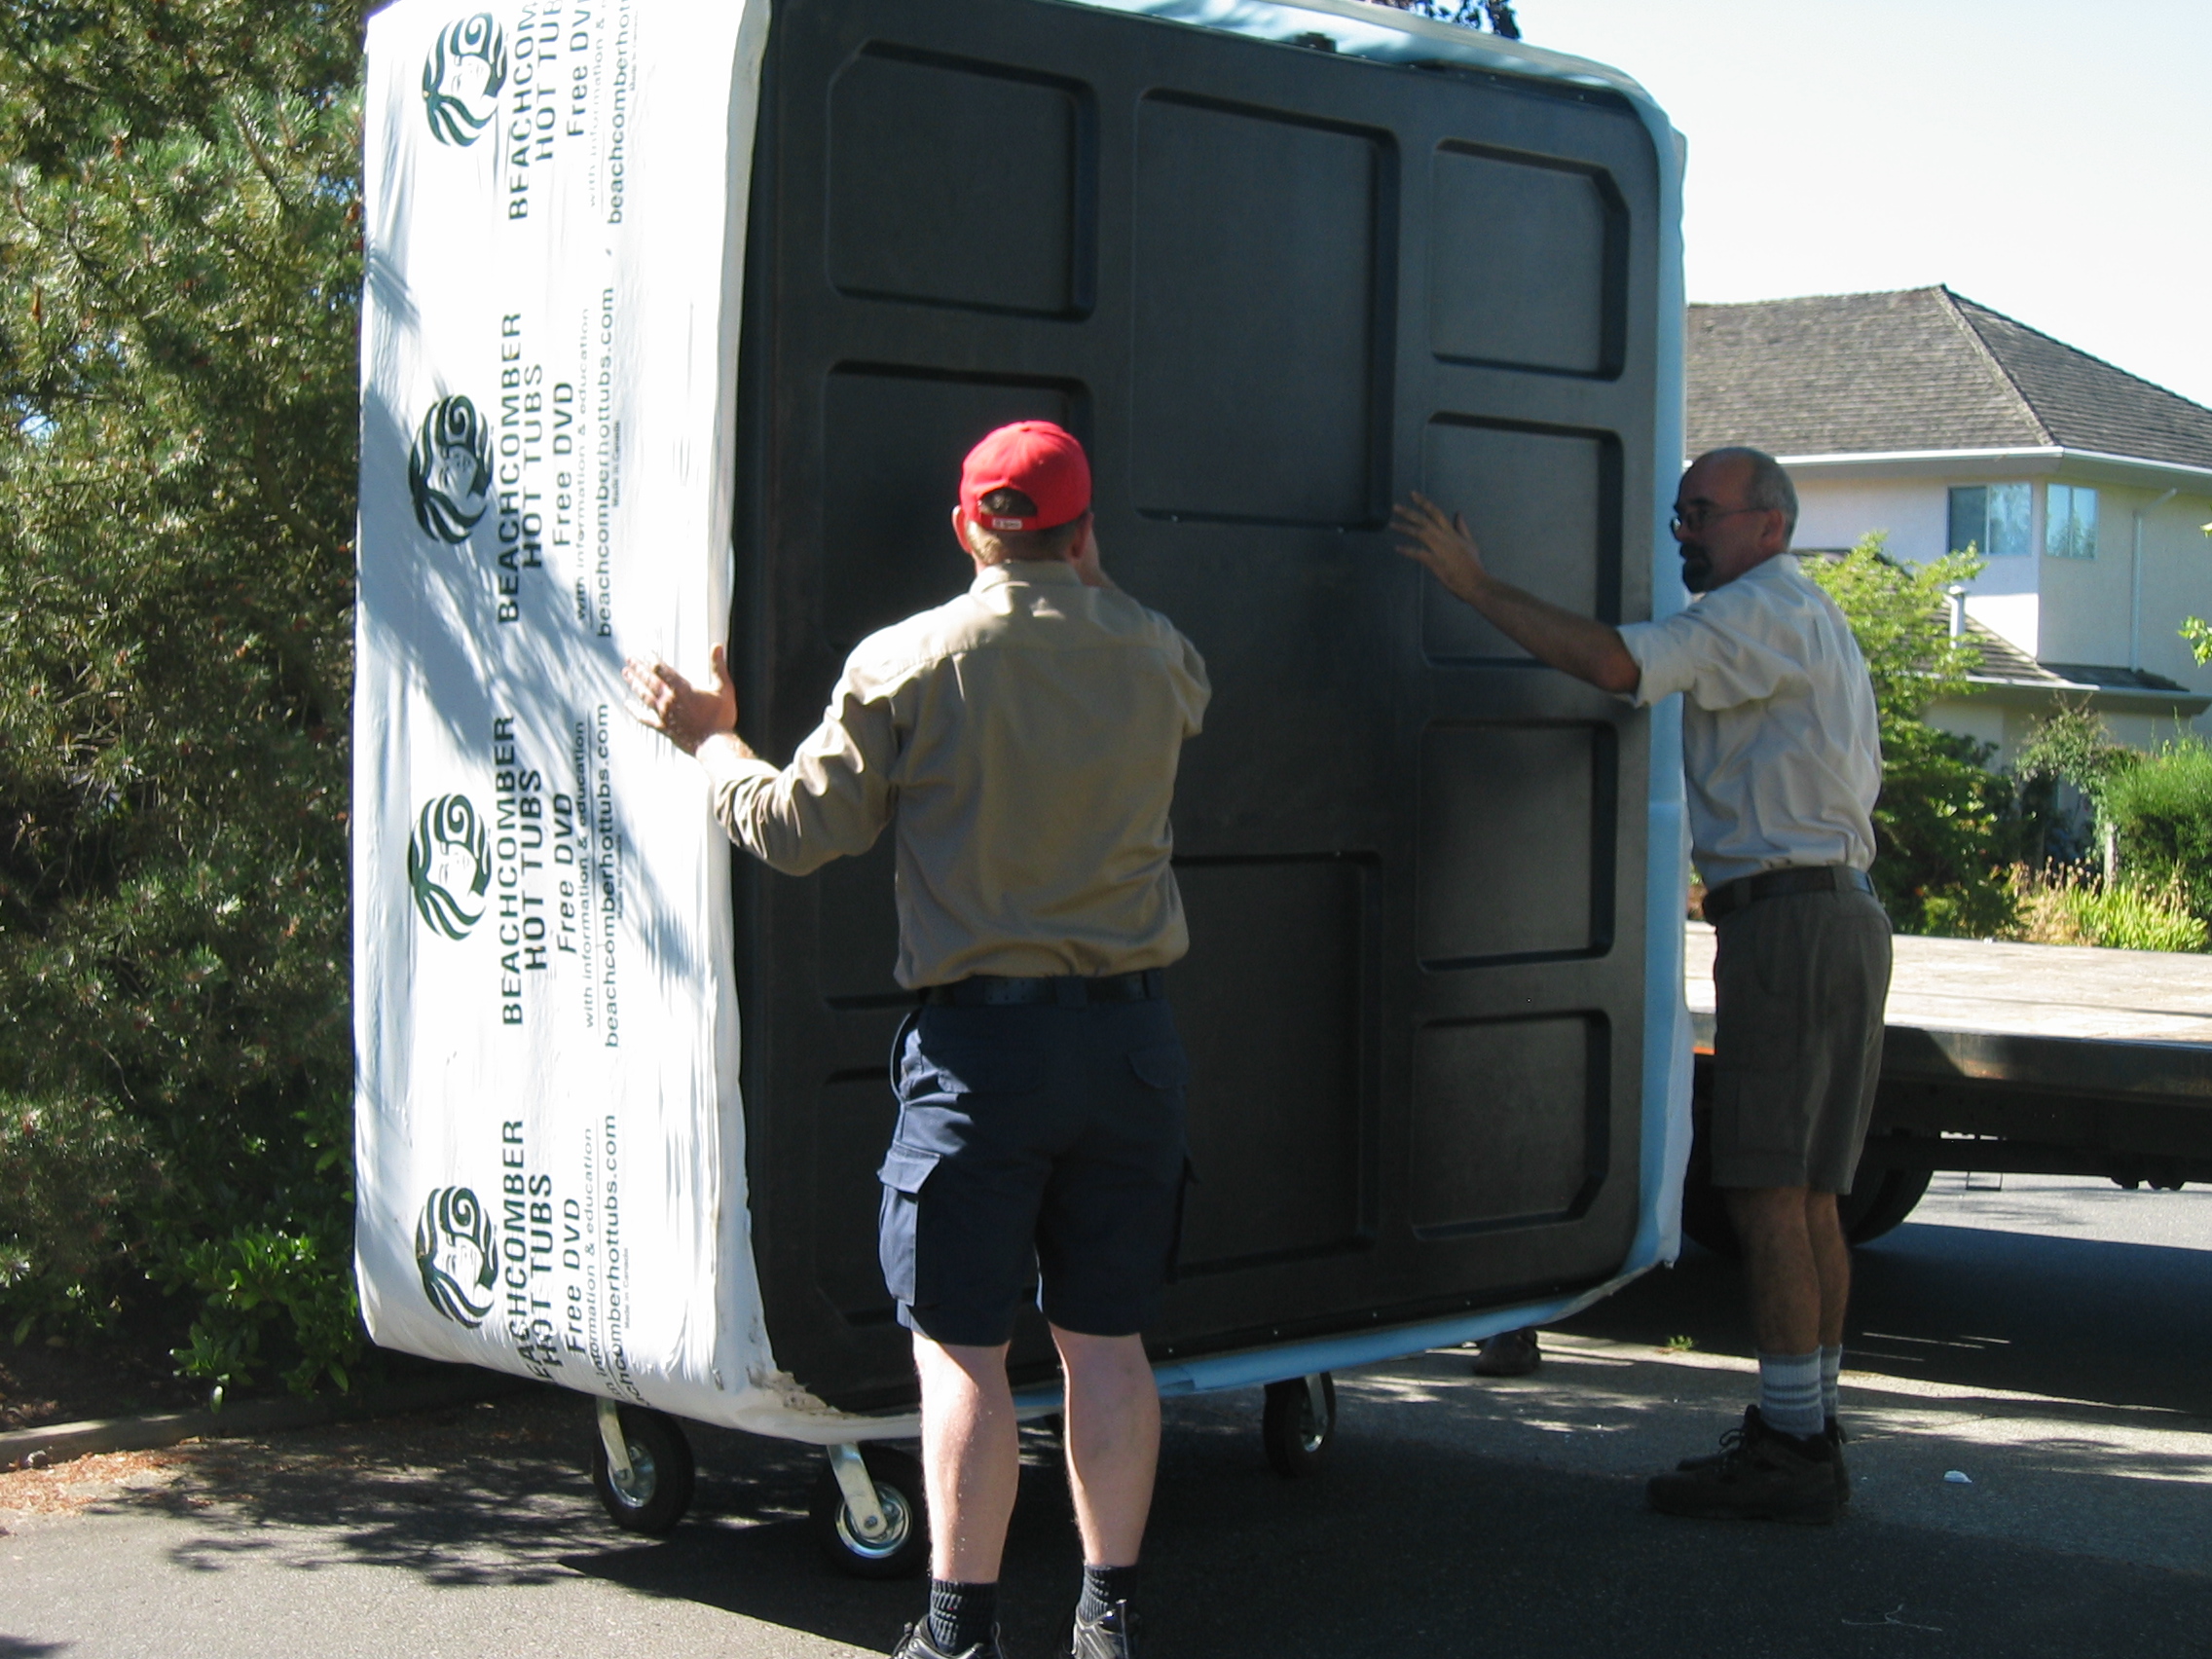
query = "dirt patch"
{"x": 67, "y": 1489}
{"x": 42, "y": 1383}
{"x": 547, "y": 1430}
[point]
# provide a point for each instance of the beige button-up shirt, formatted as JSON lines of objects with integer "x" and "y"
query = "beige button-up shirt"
{"x": 1780, "y": 746}
{"x": 1022, "y": 740}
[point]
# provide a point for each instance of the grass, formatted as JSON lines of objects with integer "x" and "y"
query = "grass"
{"x": 2072, "y": 908}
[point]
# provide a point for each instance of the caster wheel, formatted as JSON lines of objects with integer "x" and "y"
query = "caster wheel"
{"x": 653, "y": 1497}
{"x": 1300, "y": 1424}
{"x": 903, "y": 1548}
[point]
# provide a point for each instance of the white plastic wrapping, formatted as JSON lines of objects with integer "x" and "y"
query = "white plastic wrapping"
{"x": 549, "y": 1133}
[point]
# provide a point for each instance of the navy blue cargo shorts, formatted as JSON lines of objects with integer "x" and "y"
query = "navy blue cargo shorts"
{"x": 1034, "y": 1141}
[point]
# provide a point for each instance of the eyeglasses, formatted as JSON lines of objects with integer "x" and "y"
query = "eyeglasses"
{"x": 1700, "y": 515}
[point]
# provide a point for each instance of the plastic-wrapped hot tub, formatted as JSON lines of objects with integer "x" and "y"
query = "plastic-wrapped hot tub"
{"x": 680, "y": 318}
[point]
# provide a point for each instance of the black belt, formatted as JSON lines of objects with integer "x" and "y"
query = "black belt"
{"x": 1727, "y": 900}
{"x": 993, "y": 990}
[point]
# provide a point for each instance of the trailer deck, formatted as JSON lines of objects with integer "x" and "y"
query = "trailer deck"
{"x": 1984, "y": 987}
{"x": 2019, "y": 1059}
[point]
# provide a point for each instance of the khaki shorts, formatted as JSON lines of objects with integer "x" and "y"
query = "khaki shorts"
{"x": 1799, "y": 982}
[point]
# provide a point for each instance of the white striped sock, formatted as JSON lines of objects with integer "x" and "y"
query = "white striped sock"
{"x": 1790, "y": 1392}
{"x": 1831, "y": 1368}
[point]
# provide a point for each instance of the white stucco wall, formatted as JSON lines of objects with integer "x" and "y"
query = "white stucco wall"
{"x": 2075, "y": 610}
{"x": 2177, "y": 579}
{"x": 1837, "y": 512}
{"x": 1916, "y": 514}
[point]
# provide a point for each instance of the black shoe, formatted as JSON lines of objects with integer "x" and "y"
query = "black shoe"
{"x": 1759, "y": 1474}
{"x": 1833, "y": 1434}
{"x": 915, "y": 1644}
{"x": 1509, "y": 1353}
{"x": 1113, "y": 1634}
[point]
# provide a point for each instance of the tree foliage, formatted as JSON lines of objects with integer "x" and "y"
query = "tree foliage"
{"x": 1944, "y": 835}
{"x": 1498, "y": 13}
{"x": 177, "y": 461}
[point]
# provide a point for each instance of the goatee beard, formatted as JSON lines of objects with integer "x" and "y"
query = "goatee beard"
{"x": 1697, "y": 570}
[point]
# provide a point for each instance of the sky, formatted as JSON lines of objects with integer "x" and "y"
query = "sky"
{"x": 2050, "y": 159}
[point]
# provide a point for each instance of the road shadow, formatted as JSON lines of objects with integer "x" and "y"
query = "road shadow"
{"x": 1417, "y": 1547}
{"x": 1973, "y": 1307}
{"x": 1408, "y": 1543}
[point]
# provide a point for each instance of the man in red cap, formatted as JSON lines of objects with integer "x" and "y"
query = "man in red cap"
{"x": 1022, "y": 742}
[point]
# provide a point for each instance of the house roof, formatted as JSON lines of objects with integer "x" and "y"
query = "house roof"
{"x": 2004, "y": 663}
{"x": 1918, "y": 369}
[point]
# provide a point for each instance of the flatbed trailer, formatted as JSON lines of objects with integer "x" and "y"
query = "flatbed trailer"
{"x": 2008, "y": 1058}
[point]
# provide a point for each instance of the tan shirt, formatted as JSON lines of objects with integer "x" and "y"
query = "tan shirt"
{"x": 1023, "y": 740}
{"x": 1779, "y": 747}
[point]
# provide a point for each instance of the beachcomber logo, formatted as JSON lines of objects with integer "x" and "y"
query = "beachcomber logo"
{"x": 461, "y": 78}
{"x": 449, "y": 864}
{"x": 449, "y": 472}
{"x": 453, "y": 1249}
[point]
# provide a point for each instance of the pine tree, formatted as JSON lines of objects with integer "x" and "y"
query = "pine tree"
{"x": 178, "y": 317}
{"x": 1498, "y": 13}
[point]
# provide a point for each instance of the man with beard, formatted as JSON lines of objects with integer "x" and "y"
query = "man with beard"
{"x": 1784, "y": 764}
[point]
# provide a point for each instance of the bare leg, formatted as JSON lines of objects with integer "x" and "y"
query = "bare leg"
{"x": 1831, "y": 1261}
{"x": 971, "y": 1458}
{"x": 1113, "y": 1440}
{"x": 1782, "y": 1266}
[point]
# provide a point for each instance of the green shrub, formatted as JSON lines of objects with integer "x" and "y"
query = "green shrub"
{"x": 2073, "y": 907}
{"x": 74, "y": 1172}
{"x": 2161, "y": 811}
{"x": 2071, "y": 746}
{"x": 1944, "y": 833}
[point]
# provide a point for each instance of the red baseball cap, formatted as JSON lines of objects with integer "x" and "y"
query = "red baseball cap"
{"x": 1041, "y": 460}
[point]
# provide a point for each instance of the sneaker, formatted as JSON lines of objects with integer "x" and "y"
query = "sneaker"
{"x": 915, "y": 1644}
{"x": 1509, "y": 1353}
{"x": 1833, "y": 1434}
{"x": 1761, "y": 1474}
{"x": 1113, "y": 1634}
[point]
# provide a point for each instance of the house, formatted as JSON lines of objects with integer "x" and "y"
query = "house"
{"x": 1948, "y": 424}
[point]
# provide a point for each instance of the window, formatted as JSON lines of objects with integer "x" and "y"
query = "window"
{"x": 1990, "y": 518}
{"x": 2070, "y": 522}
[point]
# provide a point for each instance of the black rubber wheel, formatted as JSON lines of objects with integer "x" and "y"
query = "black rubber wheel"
{"x": 1705, "y": 1213}
{"x": 904, "y": 1547}
{"x": 1879, "y": 1200}
{"x": 1298, "y": 1444}
{"x": 1876, "y": 1205}
{"x": 661, "y": 1475}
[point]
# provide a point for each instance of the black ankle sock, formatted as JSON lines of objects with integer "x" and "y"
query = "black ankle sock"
{"x": 960, "y": 1615}
{"x": 1102, "y": 1587}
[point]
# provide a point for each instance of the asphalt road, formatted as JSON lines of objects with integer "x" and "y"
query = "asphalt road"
{"x": 2051, "y": 1341}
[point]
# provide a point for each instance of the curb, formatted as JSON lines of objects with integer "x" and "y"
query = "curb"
{"x": 59, "y": 1442}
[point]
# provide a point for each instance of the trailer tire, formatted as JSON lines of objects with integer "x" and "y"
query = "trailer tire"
{"x": 1705, "y": 1213}
{"x": 1298, "y": 1445}
{"x": 1877, "y": 1202}
{"x": 905, "y": 1548}
{"x": 1889, "y": 1201}
{"x": 662, "y": 1474}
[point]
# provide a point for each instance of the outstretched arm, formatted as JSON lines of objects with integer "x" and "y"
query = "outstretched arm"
{"x": 1580, "y": 646}
{"x": 688, "y": 715}
{"x": 832, "y": 800}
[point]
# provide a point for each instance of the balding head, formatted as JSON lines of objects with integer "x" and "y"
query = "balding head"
{"x": 1734, "y": 510}
{"x": 1761, "y": 480}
